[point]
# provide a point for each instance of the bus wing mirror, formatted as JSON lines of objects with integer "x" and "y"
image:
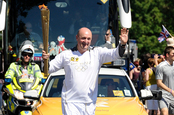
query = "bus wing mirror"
{"x": 125, "y": 13}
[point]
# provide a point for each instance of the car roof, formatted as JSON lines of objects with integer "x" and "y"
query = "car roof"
{"x": 108, "y": 71}
{"x": 112, "y": 71}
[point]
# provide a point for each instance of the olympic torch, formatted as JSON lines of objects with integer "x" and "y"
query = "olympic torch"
{"x": 45, "y": 17}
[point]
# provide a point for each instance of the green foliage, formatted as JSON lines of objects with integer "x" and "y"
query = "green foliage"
{"x": 148, "y": 16}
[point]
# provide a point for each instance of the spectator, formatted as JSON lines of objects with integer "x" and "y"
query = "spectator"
{"x": 170, "y": 41}
{"x": 108, "y": 40}
{"x": 151, "y": 85}
{"x": 77, "y": 22}
{"x": 134, "y": 74}
{"x": 1, "y": 84}
{"x": 1, "y": 77}
{"x": 144, "y": 66}
{"x": 164, "y": 77}
{"x": 158, "y": 59}
{"x": 162, "y": 58}
{"x": 27, "y": 34}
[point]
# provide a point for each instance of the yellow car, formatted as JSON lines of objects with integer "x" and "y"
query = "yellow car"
{"x": 116, "y": 95}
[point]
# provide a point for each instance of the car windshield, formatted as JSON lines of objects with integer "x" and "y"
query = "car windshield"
{"x": 108, "y": 86}
{"x": 114, "y": 86}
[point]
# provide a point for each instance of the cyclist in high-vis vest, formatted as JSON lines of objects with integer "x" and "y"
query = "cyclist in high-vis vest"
{"x": 25, "y": 74}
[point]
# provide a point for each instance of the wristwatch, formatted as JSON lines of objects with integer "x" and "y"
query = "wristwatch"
{"x": 123, "y": 45}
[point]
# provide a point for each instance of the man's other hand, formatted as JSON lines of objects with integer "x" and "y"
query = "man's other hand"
{"x": 124, "y": 36}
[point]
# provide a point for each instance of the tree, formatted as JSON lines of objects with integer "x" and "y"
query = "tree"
{"x": 148, "y": 16}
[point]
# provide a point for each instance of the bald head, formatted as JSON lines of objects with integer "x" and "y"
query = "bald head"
{"x": 84, "y": 30}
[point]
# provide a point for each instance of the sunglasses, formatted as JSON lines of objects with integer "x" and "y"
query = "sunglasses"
{"x": 27, "y": 54}
{"x": 106, "y": 34}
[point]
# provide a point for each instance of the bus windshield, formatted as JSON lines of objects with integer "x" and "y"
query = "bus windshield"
{"x": 66, "y": 17}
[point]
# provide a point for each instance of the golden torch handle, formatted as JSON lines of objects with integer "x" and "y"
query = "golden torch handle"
{"x": 45, "y": 14}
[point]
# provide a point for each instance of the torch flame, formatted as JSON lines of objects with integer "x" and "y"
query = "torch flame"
{"x": 42, "y": 6}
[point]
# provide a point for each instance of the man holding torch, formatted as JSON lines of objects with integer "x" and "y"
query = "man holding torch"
{"x": 82, "y": 64}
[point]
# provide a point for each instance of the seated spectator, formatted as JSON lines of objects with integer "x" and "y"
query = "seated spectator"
{"x": 27, "y": 34}
{"x": 76, "y": 23}
{"x": 109, "y": 40}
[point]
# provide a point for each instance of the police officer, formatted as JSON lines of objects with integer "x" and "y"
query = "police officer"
{"x": 25, "y": 68}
